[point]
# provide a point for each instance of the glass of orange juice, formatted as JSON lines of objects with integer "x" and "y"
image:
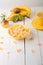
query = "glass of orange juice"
{"x": 40, "y": 17}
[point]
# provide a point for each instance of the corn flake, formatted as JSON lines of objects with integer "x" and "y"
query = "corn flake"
{"x": 32, "y": 51}
{"x": 19, "y": 50}
{"x": 38, "y": 44}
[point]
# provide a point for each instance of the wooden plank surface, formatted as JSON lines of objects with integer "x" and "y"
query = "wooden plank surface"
{"x": 34, "y": 52}
{"x": 31, "y": 53}
{"x": 40, "y": 35}
{"x": 10, "y": 55}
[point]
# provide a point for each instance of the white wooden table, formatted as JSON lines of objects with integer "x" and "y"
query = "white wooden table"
{"x": 31, "y": 53}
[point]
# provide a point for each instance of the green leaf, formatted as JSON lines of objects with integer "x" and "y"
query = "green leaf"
{"x": 3, "y": 15}
{"x": 21, "y": 18}
{"x": 15, "y": 19}
{"x": 18, "y": 17}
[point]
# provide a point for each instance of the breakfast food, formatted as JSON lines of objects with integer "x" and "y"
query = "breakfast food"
{"x": 19, "y": 11}
{"x": 32, "y": 51}
{"x": 40, "y": 14}
{"x": 37, "y": 23}
{"x": 1, "y": 49}
{"x": 4, "y": 22}
{"x": 1, "y": 42}
{"x": 19, "y": 31}
{"x": 31, "y": 38}
{"x": 15, "y": 17}
{"x": 19, "y": 50}
{"x": 38, "y": 44}
{"x": 23, "y": 10}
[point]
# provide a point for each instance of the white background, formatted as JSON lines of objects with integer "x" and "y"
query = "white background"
{"x": 11, "y": 3}
{"x": 15, "y": 58}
